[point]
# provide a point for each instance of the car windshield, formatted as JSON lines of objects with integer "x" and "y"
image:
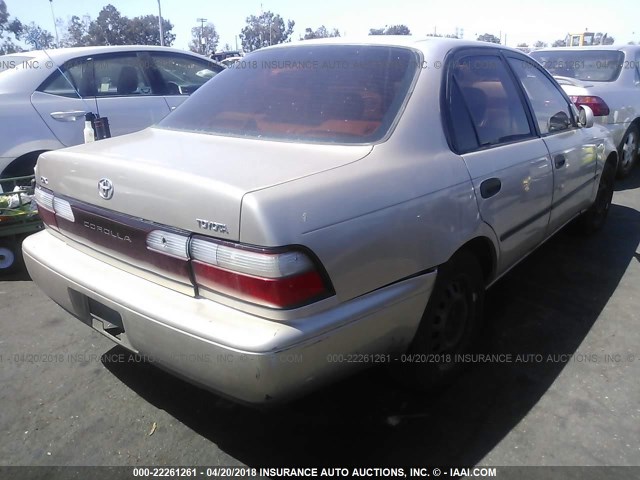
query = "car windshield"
{"x": 592, "y": 65}
{"x": 11, "y": 62}
{"x": 315, "y": 93}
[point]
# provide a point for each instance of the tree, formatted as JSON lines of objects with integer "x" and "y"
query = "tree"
{"x": 37, "y": 37}
{"x": 266, "y": 29}
{"x": 487, "y": 37}
{"x": 391, "y": 30}
{"x": 320, "y": 32}
{"x": 559, "y": 43}
{"x": 211, "y": 39}
{"x": 109, "y": 28}
{"x": 76, "y": 34}
{"x": 144, "y": 30}
{"x": 9, "y": 31}
{"x": 539, "y": 44}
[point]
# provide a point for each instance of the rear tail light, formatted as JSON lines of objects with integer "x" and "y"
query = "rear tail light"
{"x": 272, "y": 278}
{"x": 50, "y": 207}
{"x": 44, "y": 198}
{"x": 275, "y": 278}
{"x": 598, "y": 105}
{"x": 168, "y": 243}
{"x": 62, "y": 208}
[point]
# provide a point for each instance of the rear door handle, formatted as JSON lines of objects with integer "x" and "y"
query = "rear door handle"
{"x": 490, "y": 187}
{"x": 70, "y": 116}
{"x": 559, "y": 161}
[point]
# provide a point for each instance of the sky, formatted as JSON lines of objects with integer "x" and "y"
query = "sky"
{"x": 515, "y": 22}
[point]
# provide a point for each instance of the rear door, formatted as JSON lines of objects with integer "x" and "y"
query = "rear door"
{"x": 115, "y": 85}
{"x": 573, "y": 149}
{"x": 509, "y": 165}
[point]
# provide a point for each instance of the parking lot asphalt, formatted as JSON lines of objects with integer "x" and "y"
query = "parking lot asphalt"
{"x": 565, "y": 325}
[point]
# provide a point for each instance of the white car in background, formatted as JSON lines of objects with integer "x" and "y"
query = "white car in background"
{"x": 44, "y": 95}
{"x": 607, "y": 79}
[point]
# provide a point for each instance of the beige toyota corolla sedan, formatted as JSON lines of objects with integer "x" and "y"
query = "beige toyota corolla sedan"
{"x": 319, "y": 208}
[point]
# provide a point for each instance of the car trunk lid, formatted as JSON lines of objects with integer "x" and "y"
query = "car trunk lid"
{"x": 185, "y": 180}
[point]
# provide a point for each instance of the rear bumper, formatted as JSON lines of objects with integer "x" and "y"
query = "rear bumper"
{"x": 242, "y": 356}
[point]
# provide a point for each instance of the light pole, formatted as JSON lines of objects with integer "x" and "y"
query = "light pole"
{"x": 160, "y": 24}
{"x": 202, "y": 42}
{"x": 54, "y": 23}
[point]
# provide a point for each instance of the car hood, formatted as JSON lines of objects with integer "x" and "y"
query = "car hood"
{"x": 175, "y": 177}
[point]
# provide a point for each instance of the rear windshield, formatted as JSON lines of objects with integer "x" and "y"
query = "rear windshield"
{"x": 592, "y": 65}
{"x": 325, "y": 94}
{"x": 11, "y": 62}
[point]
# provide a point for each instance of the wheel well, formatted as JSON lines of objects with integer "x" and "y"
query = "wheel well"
{"x": 482, "y": 249}
{"x": 23, "y": 165}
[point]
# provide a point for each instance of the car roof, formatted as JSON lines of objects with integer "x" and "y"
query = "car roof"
{"x": 432, "y": 45}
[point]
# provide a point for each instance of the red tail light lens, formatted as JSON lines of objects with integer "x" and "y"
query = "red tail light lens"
{"x": 275, "y": 279}
{"x": 598, "y": 105}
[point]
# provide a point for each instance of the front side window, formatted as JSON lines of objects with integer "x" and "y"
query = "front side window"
{"x": 182, "y": 74}
{"x": 491, "y": 98}
{"x": 550, "y": 107}
{"x": 102, "y": 76}
{"x": 316, "y": 93}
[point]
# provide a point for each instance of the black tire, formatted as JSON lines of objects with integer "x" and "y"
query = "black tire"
{"x": 449, "y": 326}
{"x": 593, "y": 219}
{"x": 628, "y": 151}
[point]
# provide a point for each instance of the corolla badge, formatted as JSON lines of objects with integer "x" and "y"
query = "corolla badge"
{"x": 105, "y": 188}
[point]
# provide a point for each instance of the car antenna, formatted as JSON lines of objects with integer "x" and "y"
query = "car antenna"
{"x": 93, "y": 78}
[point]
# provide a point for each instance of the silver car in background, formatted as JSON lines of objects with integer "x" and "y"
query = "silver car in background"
{"x": 44, "y": 95}
{"x": 334, "y": 205}
{"x": 607, "y": 79}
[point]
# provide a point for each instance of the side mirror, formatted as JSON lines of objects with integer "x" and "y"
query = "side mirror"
{"x": 585, "y": 117}
{"x": 560, "y": 121}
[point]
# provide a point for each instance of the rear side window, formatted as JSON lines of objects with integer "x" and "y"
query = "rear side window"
{"x": 324, "y": 94}
{"x": 592, "y": 65}
{"x": 491, "y": 99}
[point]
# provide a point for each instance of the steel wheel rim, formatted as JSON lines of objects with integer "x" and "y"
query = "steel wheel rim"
{"x": 451, "y": 318}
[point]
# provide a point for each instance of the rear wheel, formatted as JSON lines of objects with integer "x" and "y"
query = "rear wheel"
{"x": 593, "y": 219}
{"x": 449, "y": 325}
{"x": 628, "y": 151}
{"x": 8, "y": 258}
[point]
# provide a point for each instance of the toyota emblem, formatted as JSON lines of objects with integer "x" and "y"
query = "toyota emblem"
{"x": 105, "y": 188}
